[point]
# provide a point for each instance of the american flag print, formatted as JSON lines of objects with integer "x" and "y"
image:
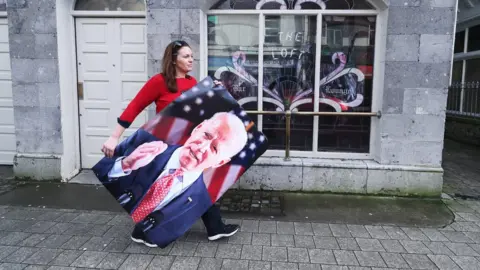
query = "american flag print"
{"x": 174, "y": 124}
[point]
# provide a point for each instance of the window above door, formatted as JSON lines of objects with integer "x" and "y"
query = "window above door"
{"x": 109, "y": 5}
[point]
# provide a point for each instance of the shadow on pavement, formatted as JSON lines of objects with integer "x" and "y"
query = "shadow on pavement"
{"x": 325, "y": 208}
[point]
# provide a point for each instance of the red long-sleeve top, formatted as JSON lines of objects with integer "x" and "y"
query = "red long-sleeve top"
{"x": 154, "y": 90}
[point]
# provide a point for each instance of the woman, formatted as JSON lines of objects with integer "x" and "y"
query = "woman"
{"x": 162, "y": 89}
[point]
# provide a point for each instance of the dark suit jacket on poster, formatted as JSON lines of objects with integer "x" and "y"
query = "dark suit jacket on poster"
{"x": 174, "y": 219}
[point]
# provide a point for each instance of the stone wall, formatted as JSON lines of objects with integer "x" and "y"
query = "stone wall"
{"x": 36, "y": 91}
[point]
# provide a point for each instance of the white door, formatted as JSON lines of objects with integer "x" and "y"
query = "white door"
{"x": 7, "y": 128}
{"x": 112, "y": 67}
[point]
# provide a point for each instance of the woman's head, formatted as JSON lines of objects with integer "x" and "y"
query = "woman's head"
{"x": 177, "y": 62}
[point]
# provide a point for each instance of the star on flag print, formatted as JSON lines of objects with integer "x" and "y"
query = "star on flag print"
{"x": 174, "y": 124}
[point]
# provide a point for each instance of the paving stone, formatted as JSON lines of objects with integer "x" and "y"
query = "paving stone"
{"x": 117, "y": 245}
{"x": 475, "y": 236}
{"x": 392, "y": 245}
{"x": 417, "y": 261}
{"x": 394, "y": 260}
{"x": 340, "y": 230}
{"x": 259, "y": 265}
{"x": 6, "y": 251}
{"x": 43, "y": 256}
{"x": 443, "y": 262}
{"x": 250, "y": 252}
{"x": 298, "y": 255}
{"x": 377, "y": 232}
{"x": 369, "y": 244}
{"x": 461, "y": 249}
{"x": 414, "y": 247}
{"x": 466, "y": 263}
{"x": 335, "y": 267}
{"x": 141, "y": 248}
{"x": 97, "y": 243}
{"x": 369, "y": 258}
{"x": 304, "y": 241}
{"x": 395, "y": 233}
{"x": 137, "y": 262}
{"x": 261, "y": 239}
{"x": 415, "y": 234}
{"x": 274, "y": 254}
{"x": 183, "y": 249}
{"x": 89, "y": 259}
{"x": 302, "y": 228}
{"x": 345, "y": 257}
{"x": 228, "y": 251}
{"x": 54, "y": 241}
{"x": 208, "y": 264}
{"x": 59, "y": 228}
{"x": 185, "y": 263}
{"x": 309, "y": 266}
{"x": 358, "y": 231}
{"x": 206, "y": 250}
{"x": 457, "y": 237}
{"x": 267, "y": 227}
{"x": 241, "y": 238}
{"x": 282, "y": 240}
{"x": 322, "y": 256}
{"x": 433, "y": 234}
{"x": 284, "y": 266}
{"x": 347, "y": 243}
{"x": 12, "y": 266}
{"x": 67, "y": 257}
{"x": 14, "y": 238}
{"x": 33, "y": 240}
{"x": 470, "y": 216}
{"x": 325, "y": 242}
{"x": 35, "y": 267}
{"x": 20, "y": 255}
{"x": 40, "y": 227}
{"x": 112, "y": 261}
{"x": 161, "y": 262}
{"x": 197, "y": 236}
{"x": 285, "y": 227}
{"x": 120, "y": 220}
{"x": 92, "y": 218}
{"x": 321, "y": 229}
{"x": 66, "y": 217}
{"x": 250, "y": 226}
{"x": 438, "y": 248}
{"x": 235, "y": 264}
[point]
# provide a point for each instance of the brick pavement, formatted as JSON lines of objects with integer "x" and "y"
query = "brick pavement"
{"x": 42, "y": 238}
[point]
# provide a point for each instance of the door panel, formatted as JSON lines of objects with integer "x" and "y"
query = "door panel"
{"x": 111, "y": 55}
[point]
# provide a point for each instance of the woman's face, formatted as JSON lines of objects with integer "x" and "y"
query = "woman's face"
{"x": 184, "y": 62}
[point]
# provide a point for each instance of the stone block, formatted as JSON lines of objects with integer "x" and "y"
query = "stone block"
{"x": 192, "y": 40}
{"x": 163, "y": 21}
{"x": 190, "y": 21}
{"x": 273, "y": 174}
{"x": 200, "y": 4}
{"x": 436, "y": 48}
{"x": 393, "y": 100}
{"x": 416, "y": 75}
{"x": 163, "y": 4}
{"x": 49, "y": 94}
{"x": 422, "y": 153}
{"x": 50, "y": 119}
{"x": 334, "y": 176}
{"x": 20, "y": 21}
{"x": 425, "y": 101}
{"x": 3, "y": 6}
{"x": 153, "y": 66}
{"x": 46, "y": 46}
{"x": 412, "y": 127}
{"x": 407, "y": 3}
{"x": 37, "y": 167}
{"x": 22, "y": 46}
{"x": 420, "y": 20}
{"x": 46, "y": 23}
{"x": 388, "y": 180}
{"x": 39, "y": 141}
{"x": 156, "y": 45}
{"x": 403, "y": 47}
{"x": 26, "y": 118}
{"x": 25, "y": 95}
{"x": 443, "y": 3}
{"x": 47, "y": 70}
{"x": 23, "y": 71}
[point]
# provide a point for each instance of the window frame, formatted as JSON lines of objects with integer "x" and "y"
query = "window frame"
{"x": 377, "y": 78}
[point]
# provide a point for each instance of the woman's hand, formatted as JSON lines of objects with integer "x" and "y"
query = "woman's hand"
{"x": 108, "y": 147}
{"x": 217, "y": 83}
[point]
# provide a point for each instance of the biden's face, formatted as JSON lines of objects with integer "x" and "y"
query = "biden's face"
{"x": 207, "y": 146}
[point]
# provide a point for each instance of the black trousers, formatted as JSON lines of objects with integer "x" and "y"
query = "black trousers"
{"x": 213, "y": 220}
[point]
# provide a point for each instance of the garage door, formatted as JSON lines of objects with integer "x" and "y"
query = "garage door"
{"x": 7, "y": 128}
{"x": 112, "y": 67}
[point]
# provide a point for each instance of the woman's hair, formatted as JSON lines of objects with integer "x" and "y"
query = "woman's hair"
{"x": 168, "y": 68}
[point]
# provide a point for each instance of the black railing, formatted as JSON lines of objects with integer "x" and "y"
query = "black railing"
{"x": 464, "y": 99}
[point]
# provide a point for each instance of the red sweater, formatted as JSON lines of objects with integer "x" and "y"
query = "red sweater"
{"x": 154, "y": 90}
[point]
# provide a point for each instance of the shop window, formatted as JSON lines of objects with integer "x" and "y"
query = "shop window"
{"x": 474, "y": 38}
{"x": 110, "y": 5}
{"x": 299, "y": 4}
{"x": 289, "y": 45}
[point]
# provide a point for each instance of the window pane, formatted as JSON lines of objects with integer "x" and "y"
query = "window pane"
{"x": 457, "y": 71}
{"x": 472, "y": 70}
{"x": 459, "y": 42}
{"x": 289, "y": 4}
{"x": 111, "y": 5}
{"x": 346, "y": 82}
{"x": 233, "y": 56}
{"x": 289, "y": 77}
{"x": 474, "y": 38}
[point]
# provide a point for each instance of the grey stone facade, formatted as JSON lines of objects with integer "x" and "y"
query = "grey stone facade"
{"x": 408, "y": 136}
{"x": 36, "y": 91}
